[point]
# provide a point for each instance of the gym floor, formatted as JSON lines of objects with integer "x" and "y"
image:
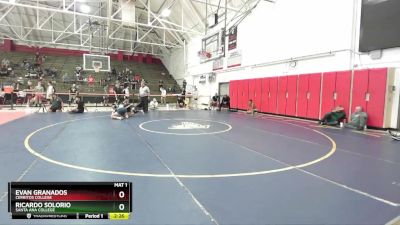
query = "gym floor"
{"x": 208, "y": 167}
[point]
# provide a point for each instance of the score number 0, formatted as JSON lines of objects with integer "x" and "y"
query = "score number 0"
{"x": 121, "y": 194}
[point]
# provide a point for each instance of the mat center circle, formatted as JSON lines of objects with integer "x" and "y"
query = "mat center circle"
{"x": 185, "y": 126}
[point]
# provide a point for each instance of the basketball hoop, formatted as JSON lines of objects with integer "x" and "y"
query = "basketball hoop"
{"x": 96, "y": 69}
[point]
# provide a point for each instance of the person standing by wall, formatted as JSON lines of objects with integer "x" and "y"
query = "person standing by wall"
{"x": 144, "y": 93}
{"x": 184, "y": 83}
{"x": 163, "y": 95}
{"x": 72, "y": 94}
{"x": 126, "y": 91}
{"x": 50, "y": 92}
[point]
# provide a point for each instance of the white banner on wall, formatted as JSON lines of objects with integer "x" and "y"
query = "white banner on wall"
{"x": 234, "y": 58}
{"x": 218, "y": 64}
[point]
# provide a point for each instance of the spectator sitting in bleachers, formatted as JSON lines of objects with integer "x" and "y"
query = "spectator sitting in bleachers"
{"x": 37, "y": 57}
{"x": 29, "y": 85}
{"x": 65, "y": 78}
{"x": 78, "y": 72}
{"x": 358, "y": 119}
{"x": 52, "y": 72}
{"x": 119, "y": 77}
{"x": 114, "y": 72}
{"x": 3, "y": 71}
{"x": 5, "y": 63}
{"x": 25, "y": 64}
{"x": 134, "y": 84}
{"x": 91, "y": 82}
{"x": 108, "y": 78}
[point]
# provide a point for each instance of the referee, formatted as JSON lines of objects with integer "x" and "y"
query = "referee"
{"x": 144, "y": 93}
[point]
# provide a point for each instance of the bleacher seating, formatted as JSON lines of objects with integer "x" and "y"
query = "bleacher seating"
{"x": 151, "y": 73}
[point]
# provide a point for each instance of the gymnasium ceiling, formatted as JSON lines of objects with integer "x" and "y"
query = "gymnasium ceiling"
{"x": 68, "y": 24}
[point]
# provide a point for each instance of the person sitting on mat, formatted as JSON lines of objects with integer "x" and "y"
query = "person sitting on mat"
{"x": 119, "y": 113}
{"x": 251, "y": 107}
{"x": 225, "y": 101}
{"x": 214, "y": 101}
{"x": 180, "y": 101}
{"x": 334, "y": 117}
{"x": 358, "y": 119}
{"x": 80, "y": 108}
{"x": 57, "y": 104}
{"x": 154, "y": 104}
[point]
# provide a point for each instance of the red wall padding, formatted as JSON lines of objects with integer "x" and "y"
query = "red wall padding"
{"x": 273, "y": 93}
{"x": 314, "y": 101}
{"x": 264, "y": 94}
{"x": 302, "y": 99}
{"x": 377, "y": 93}
{"x": 245, "y": 93}
{"x": 370, "y": 93}
{"x": 343, "y": 88}
{"x": 233, "y": 91}
{"x": 291, "y": 99}
{"x": 301, "y": 95}
{"x": 360, "y": 89}
{"x": 282, "y": 93}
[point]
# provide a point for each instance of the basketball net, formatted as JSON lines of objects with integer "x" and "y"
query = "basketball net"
{"x": 96, "y": 69}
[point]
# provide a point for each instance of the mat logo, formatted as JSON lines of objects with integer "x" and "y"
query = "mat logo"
{"x": 188, "y": 126}
{"x": 28, "y": 215}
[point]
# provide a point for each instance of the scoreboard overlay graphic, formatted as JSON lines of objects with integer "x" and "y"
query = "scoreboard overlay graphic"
{"x": 70, "y": 200}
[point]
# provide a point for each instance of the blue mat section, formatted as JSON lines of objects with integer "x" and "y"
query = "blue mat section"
{"x": 286, "y": 198}
{"x": 324, "y": 193}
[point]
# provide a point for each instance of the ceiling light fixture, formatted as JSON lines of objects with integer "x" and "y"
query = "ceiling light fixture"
{"x": 166, "y": 13}
{"x": 85, "y": 8}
